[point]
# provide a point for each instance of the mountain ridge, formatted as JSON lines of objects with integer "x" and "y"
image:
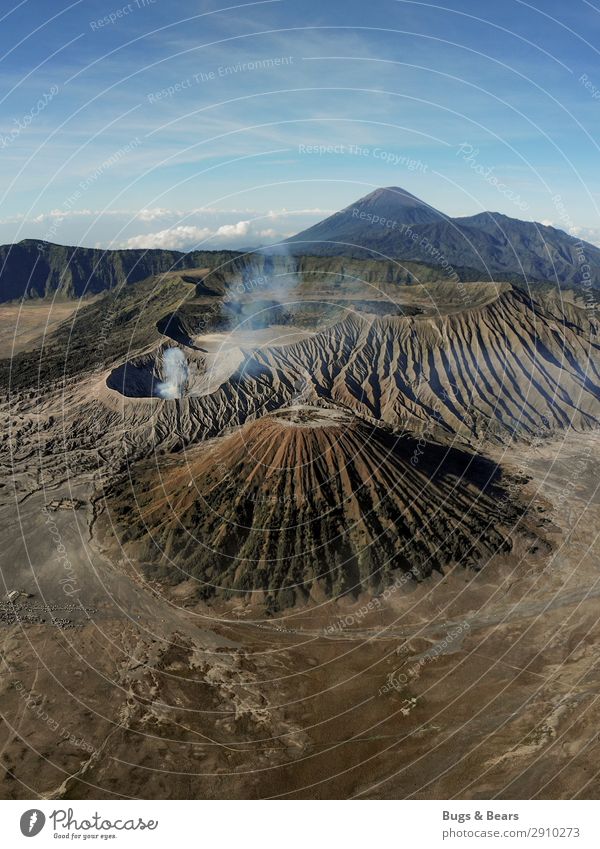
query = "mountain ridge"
{"x": 384, "y": 224}
{"x": 35, "y": 268}
{"x": 389, "y": 223}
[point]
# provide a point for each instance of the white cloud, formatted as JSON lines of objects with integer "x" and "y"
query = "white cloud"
{"x": 153, "y": 214}
{"x": 173, "y": 238}
{"x": 232, "y": 231}
{"x": 188, "y": 236}
{"x": 162, "y": 227}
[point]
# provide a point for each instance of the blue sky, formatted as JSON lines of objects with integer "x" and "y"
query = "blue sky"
{"x": 185, "y": 124}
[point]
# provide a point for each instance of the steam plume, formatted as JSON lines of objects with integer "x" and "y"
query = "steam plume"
{"x": 175, "y": 372}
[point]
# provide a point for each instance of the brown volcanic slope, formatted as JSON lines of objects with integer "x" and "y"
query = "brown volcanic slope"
{"x": 310, "y": 500}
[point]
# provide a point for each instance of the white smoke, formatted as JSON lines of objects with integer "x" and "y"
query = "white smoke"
{"x": 175, "y": 373}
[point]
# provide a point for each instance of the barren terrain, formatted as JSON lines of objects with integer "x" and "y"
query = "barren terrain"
{"x": 23, "y": 325}
{"x": 353, "y": 556}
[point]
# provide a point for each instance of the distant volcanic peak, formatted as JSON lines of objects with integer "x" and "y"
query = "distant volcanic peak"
{"x": 386, "y": 212}
{"x": 392, "y": 223}
{"x": 393, "y": 200}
